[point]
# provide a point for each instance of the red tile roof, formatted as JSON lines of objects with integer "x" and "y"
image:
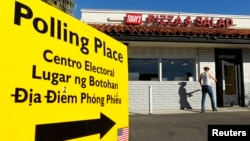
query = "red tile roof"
{"x": 179, "y": 31}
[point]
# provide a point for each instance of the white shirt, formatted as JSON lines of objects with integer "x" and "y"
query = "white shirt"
{"x": 205, "y": 79}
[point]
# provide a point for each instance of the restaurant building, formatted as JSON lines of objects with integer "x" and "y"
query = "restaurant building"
{"x": 168, "y": 50}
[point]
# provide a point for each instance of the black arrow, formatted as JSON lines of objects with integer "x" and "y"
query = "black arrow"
{"x": 75, "y": 129}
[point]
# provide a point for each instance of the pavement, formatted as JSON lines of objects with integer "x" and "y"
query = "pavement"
{"x": 176, "y": 111}
{"x": 183, "y": 125}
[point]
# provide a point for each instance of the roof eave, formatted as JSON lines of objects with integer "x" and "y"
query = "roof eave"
{"x": 175, "y": 38}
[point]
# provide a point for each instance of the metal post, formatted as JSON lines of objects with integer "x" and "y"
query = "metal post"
{"x": 150, "y": 100}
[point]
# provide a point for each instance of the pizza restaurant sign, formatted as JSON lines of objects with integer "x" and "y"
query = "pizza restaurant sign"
{"x": 170, "y": 20}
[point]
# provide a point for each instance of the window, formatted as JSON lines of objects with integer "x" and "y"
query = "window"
{"x": 145, "y": 69}
{"x": 178, "y": 69}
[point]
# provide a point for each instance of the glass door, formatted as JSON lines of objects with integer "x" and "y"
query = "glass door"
{"x": 229, "y": 83}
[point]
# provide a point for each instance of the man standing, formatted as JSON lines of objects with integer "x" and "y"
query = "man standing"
{"x": 206, "y": 87}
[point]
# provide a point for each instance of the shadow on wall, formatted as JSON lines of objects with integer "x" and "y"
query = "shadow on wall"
{"x": 184, "y": 104}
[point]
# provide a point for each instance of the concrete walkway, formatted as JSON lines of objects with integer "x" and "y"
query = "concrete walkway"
{"x": 220, "y": 109}
{"x": 185, "y": 125}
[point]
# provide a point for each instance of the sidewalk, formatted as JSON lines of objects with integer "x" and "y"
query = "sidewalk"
{"x": 220, "y": 109}
{"x": 183, "y": 125}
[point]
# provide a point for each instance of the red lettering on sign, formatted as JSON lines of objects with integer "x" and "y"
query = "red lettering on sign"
{"x": 163, "y": 18}
{"x": 200, "y": 21}
{"x": 133, "y": 18}
{"x": 229, "y": 22}
{"x": 221, "y": 23}
{"x": 151, "y": 18}
{"x": 156, "y": 20}
{"x": 206, "y": 22}
{"x": 178, "y": 21}
{"x": 212, "y": 22}
{"x": 188, "y": 21}
{"x": 170, "y": 20}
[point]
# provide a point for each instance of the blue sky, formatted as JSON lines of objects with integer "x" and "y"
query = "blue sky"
{"x": 231, "y": 7}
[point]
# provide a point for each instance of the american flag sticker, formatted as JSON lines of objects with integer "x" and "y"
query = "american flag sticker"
{"x": 122, "y": 134}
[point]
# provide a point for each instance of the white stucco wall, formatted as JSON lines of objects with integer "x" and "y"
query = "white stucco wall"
{"x": 169, "y": 94}
{"x": 246, "y": 75}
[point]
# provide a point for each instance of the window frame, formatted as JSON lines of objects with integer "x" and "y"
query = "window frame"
{"x": 160, "y": 67}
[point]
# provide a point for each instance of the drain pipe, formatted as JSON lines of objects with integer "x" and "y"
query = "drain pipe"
{"x": 150, "y": 100}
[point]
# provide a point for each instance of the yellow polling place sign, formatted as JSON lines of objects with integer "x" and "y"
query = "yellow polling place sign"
{"x": 61, "y": 79}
